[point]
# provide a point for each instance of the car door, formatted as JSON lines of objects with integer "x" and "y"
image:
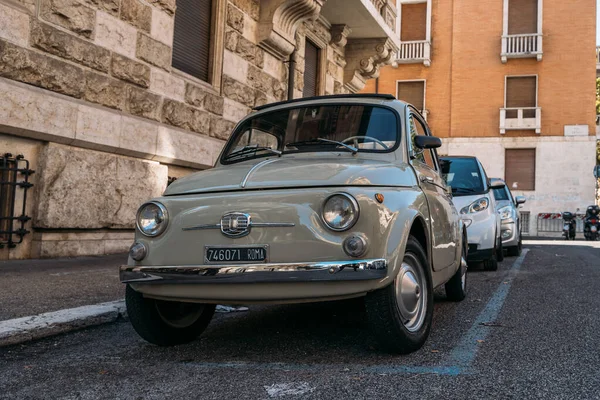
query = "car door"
{"x": 443, "y": 216}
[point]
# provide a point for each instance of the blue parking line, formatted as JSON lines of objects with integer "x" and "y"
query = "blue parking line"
{"x": 459, "y": 361}
{"x": 463, "y": 354}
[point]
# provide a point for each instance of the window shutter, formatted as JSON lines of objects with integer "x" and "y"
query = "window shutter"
{"x": 522, "y": 16}
{"x": 413, "y": 25}
{"x": 519, "y": 167}
{"x": 191, "y": 40}
{"x": 413, "y": 93}
{"x": 521, "y": 92}
{"x": 311, "y": 69}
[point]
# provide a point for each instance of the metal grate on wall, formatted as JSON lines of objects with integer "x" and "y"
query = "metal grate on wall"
{"x": 14, "y": 184}
{"x": 525, "y": 222}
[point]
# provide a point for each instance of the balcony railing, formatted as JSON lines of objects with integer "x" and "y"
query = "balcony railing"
{"x": 418, "y": 51}
{"x": 597, "y": 59}
{"x": 520, "y": 46}
{"x": 521, "y": 118}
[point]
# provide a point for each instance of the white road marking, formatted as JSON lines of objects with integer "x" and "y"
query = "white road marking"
{"x": 19, "y": 330}
{"x": 289, "y": 389}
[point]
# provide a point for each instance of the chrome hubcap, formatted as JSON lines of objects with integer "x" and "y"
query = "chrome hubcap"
{"x": 411, "y": 295}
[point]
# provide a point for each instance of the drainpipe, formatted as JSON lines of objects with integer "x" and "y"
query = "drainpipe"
{"x": 377, "y": 85}
{"x": 291, "y": 75}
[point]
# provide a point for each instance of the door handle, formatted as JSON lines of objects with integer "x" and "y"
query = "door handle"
{"x": 426, "y": 179}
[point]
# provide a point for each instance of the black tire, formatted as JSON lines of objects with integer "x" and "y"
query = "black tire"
{"x": 515, "y": 251}
{"x": 456, "y": 288}
{"x": 500, "y": 252}
{"x": 384, "y": 314}
{"x": 491, "y": 264}
{"x": 146, "y": 316}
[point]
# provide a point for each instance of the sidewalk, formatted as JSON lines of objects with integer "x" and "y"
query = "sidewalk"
{"x": 39, "y": 298}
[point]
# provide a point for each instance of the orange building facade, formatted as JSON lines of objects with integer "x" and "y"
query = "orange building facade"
{"x": 511, "y": 82}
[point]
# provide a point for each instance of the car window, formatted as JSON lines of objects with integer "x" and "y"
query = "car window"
{"x": 463, "y": 175}
{"x": 426, "y": 157}
{"x": 500, "y": 194}
{"x": 318, "y": 128}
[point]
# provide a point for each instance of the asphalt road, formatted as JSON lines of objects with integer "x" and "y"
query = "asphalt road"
{"x": 529, "y": 330}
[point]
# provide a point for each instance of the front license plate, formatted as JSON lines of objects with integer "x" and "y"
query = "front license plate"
{"x": 236, "y": 254}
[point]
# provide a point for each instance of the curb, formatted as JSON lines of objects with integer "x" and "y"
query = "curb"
{"x": 20, "y": 330}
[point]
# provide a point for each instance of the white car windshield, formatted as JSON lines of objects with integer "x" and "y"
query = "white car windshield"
{"x": 349, "y": 128}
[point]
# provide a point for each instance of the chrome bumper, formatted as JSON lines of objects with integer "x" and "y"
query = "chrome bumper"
{"x": 354, "y": 270}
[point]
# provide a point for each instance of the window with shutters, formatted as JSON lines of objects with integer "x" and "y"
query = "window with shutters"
{"x": 412, "y": 92}
{"x": 311, "y": 69}
{"x": 521, "y": 110}
{"x": 522, "y": 29}
{"x": 198, "y": 39}
{"x": 519, "y": 169}
{"x": 414, "y": 19}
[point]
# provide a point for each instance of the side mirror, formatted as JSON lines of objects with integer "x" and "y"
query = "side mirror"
{"x": 428, "y": 142}
{"x": 520, "y": 200}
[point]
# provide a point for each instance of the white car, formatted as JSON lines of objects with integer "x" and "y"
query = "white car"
{"x": 473, "y": 196}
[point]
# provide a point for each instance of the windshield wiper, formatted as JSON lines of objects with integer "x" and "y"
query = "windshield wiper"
{"x": 464, "y": 190}
{"x": 353, "y": 149}
{"x": 250, "y": 149}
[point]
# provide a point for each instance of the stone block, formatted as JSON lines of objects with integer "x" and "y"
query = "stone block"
{"x": 168, "y": 85}
{"x": 69, "y": 14}
{"x": 235, "y": 18}
{"x": 250, "y": 29}
{"x": 70, "y": 248}
{"x": 28, "y": 5}
{"x": 35, "y": 113}
{"x": 118, "y": 245}
{"x": 186, "y": 148}
{"x": 237, "y": 91}
{"x": 329, "y": 84}
{"x": 110, "y": 6}
{"x": 137, "y": 14}
{"x": 260, "y": 80}
{"x": 143, "y": 103}
{"x": 220, "y": 128}
{"x": 235, "y": 66}
{"x": 86, "y": 189}
{"x": 97, "y": 129}
{"x": 231, "y": 39}
{"x": 183, "y": 116}
{"x": 27, "y": 66}
{"x": 14, "y": 25}
{"x": 250, "y": 7}
{"x": 138, "y": 137}
{"x": 115, "y": 35}
{"x": 213, "y": 103}
{"x": 273, "y": 66}
{"x": 130, "y": 70}
{"x": 249, "y": 51}
{"x": 62, "y": 44}
{"x": 234, "y": 111}
{"x": 260, "y": 98}
{"x": 194, "y": 95}
{"x": 163, "y": 27}
{"x": 105, "y": 90}
{"x": 153, "y": 51}
{"x": 167, "y": 5}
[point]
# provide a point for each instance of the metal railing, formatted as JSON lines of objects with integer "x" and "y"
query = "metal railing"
{"x": 556, "y": 224}
{"x": 11, "y": 170}
{"x": 414, "y": 51}
{"x": 597, "y": 54}
{"x": 520, "y": 118}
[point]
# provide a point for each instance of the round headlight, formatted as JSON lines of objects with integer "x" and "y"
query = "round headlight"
{"x": 340, "y": 212}
{"x": 152, "y": 218}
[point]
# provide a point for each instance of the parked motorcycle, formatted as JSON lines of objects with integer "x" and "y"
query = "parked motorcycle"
{"x": 569, "y": 225}
{"x": 591, "y": 223}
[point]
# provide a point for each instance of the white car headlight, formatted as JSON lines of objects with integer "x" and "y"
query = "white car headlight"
{"x": 476, "y": 206}
{"x": 340, "y": 212}
{"x": 152, "y": 219}
{"x": 505, "y": 212}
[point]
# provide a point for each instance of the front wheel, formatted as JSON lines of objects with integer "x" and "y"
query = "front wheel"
{"x": 456, "y": 287}
{"x": 400, "y": 314}
{"x": 166, "y": 323}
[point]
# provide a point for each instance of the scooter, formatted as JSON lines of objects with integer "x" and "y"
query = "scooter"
{"x": 569, "y": 225}
{"x": 591, "y": 223}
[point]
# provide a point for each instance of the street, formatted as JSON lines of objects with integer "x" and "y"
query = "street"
{"x": 529, "y": 330}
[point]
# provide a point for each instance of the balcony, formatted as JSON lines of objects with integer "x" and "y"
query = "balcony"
{"x": 522, "y": 46}
{"x": 523, "y": 118}
{"x": 414, "y": 52}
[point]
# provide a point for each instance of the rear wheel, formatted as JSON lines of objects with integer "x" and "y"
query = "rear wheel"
{"x": 491, "y": 264}
{"x": 515, "y": 251}
{"x": 166, "y": 323}
{"x": 400, "y": 314}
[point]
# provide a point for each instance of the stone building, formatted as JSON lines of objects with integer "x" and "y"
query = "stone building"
{"x": 511, "y": 82}
{"x": 109, "y": 99}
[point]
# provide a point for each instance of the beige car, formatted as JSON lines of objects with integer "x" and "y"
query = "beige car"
{"x": 311, "y": 200}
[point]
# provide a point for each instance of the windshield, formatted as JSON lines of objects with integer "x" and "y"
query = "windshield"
{"x": 463, "y": 175}
{"x": 350, "y": 128}
{"x": 500, "y": 194}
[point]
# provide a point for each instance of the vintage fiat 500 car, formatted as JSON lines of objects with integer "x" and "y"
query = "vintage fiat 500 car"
{"x": 316, "y": 199}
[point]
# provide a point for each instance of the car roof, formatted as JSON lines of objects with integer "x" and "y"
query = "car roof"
{"x": 355, "y": 96}
{"x": 448, "y": 157}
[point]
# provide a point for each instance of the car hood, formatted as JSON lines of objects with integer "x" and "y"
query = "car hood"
{"x": 502, "y": 203}
{"x": 289, "y": 172}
